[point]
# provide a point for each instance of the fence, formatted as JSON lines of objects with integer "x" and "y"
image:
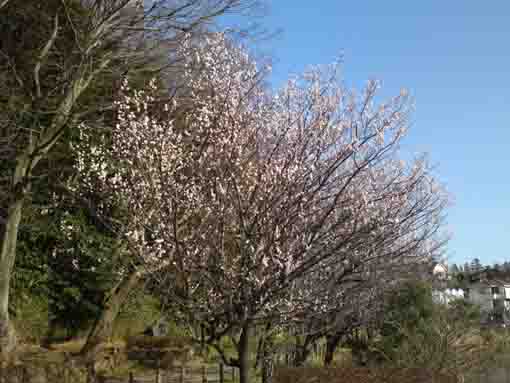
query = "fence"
{"x": 490, "y": 375}
{"x": 202, "y": 374}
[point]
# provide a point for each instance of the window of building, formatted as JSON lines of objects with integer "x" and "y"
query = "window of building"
{"x": 495, "y": 290}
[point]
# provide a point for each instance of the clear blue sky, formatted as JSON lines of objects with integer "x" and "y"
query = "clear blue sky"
{"x": 454, "y": 57}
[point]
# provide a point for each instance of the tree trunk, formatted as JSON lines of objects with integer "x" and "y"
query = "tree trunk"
{"x": 7, "y": 257}
{"x": 103, "y": 327}
{"x": 262, "y": 346}
{"x": 302, "y": 354}
{"x": 244, "y": 355}
{"x": 260, "y": 350}
{"x": 303, "y": 351}
{"x": 331, "y": 345}
{"x": 267, "y": 359}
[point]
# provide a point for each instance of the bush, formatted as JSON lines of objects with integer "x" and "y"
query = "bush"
{"x": 449, "y": 341}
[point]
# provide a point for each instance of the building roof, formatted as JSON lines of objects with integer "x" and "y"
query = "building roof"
{"x": 439, "y": 268}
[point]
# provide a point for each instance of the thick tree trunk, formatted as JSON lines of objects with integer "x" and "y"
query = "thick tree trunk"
{"x": 7, "y": 257}
{"x": 244, "y": 355}
{"x": 103, "y": 327}
{"x": 331, "y": 345}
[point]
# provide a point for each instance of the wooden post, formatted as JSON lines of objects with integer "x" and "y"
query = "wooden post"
{"x": 222, "y": 376}
{"x": 202, "y": 339}
{"x": 157, "y": 372}
{"x": 131, "y": 378}
{"x": 181, "y": 379}
{"x": 204, "y": 374}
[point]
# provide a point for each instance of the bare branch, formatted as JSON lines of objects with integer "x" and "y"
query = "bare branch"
{"x": 44, "y": 55}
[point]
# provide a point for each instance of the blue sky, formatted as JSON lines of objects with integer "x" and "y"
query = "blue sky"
{"x": 454, "y": 57}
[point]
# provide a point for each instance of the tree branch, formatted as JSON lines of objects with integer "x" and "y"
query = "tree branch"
{"x": 43, "y": 56}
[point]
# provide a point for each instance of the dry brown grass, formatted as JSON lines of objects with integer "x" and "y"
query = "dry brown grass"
{"x": 158, "y": 342}
{"x": 359, "y": 375}
{"x": 62, "y": 361}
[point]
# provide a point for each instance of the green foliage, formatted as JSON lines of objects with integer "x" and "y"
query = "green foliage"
{"x": 82, "y": 271}
{"x": 410, "y": 307}
{"x": 141, "y": 310}
{"x": 31, "y": 318}
{"x": 29, "y": 291}
{"x": 30, "y": 280}
{"x": 459, "y": 281}
{"x": 418, "y": 333}
{"x": 449, "y": 341}
{"x": 462, "y": 310}
{"x": 64, "y": 273}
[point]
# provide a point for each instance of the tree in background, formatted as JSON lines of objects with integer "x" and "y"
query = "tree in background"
{"x": 408, "y": 307}
{"x": 476, "y": 265}
{"x": 454, "y": 269}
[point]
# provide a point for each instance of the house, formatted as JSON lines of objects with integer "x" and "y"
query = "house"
{"x": 447, "y": 295}
{"x": 440, "y": 291}
{"x": 493, "y": 297}
{"x": 440, "y": 270}
{"x": 482, "y": 288}
{"x": 439, "y": 274}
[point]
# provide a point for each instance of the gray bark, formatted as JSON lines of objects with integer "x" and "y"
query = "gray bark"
{"x": 8, "y": 255}
{"x": 103, "y": 327}
{"x": 244, "y": 355}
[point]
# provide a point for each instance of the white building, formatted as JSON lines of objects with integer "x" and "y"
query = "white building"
{"x": 493, "y": 297}
{"x": 447, "y": 295}
{"x": 490, "y": 294}
{"x": 441, "y": 293}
